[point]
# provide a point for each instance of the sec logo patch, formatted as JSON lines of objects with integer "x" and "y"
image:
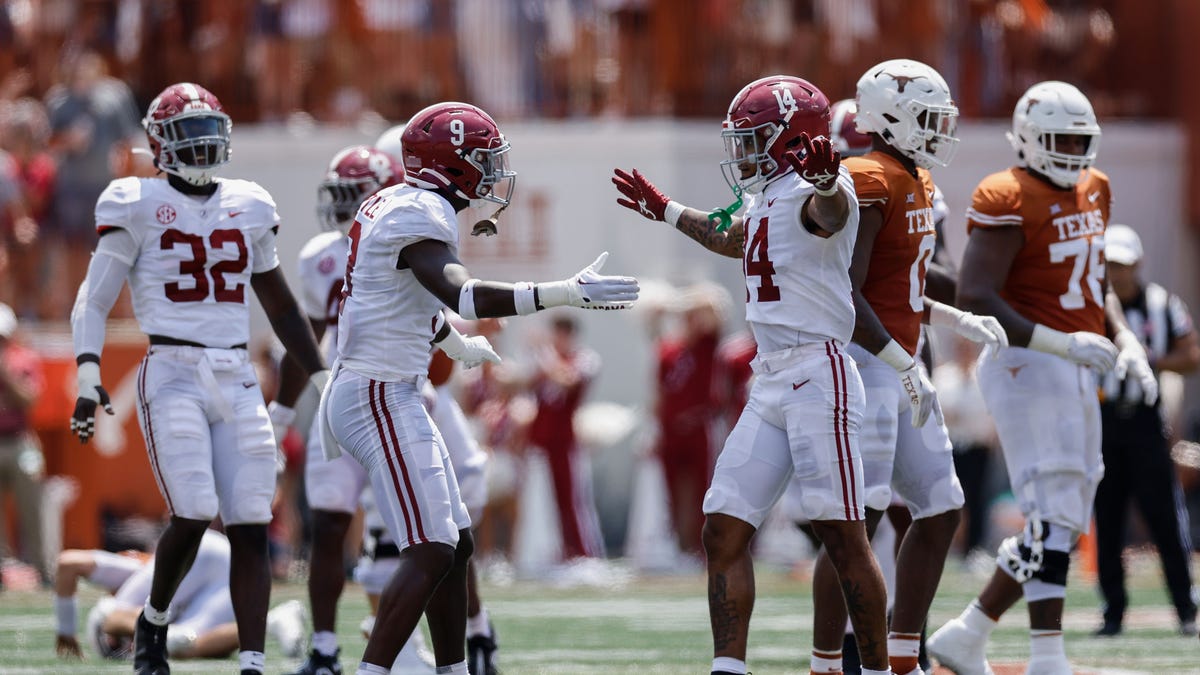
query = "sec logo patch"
{"x": 165, "y": 214}
{"x": 326, "y": 265}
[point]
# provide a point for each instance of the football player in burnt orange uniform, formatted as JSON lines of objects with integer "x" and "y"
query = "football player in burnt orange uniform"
{"x": 1035, "y": 260}
{"x": 906, "y": 109}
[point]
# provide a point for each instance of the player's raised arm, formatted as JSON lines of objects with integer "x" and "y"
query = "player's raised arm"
{"x": 640, "y": 195}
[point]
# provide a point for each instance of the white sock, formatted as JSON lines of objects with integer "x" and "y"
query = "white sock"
{"x": 325, "y": 642}
{"x": 826, "y": 662}
{"x": 868, "y": 671}
{"x": 729, "y": 664}
{"x": 1046, "y": 643}
{"x": 255, "y": 661}
{"x": 478, "y": 624}
{"x": 65, "y": 613}
{"x": 154, "y": 616}
{"x": 459, "y": 668}
{"x": 975, "y": 619}
{"x": 365, "y": 668}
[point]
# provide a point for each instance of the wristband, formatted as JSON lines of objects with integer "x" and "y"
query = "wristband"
{"x": 523, "y": 298}
{"x": 672, "y": 212}
{"x": 826, "y": 193}
{"x": 280, "y": 414}
{"x": 65, "y": 615}
{"x": 896, "y": 356}
{"x": 88, "y": 378}
{"x": 1046, "y": 339}
{"x": 466, "y": 300}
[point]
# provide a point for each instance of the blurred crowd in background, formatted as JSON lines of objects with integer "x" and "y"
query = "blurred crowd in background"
{"x": 76, "y": 74}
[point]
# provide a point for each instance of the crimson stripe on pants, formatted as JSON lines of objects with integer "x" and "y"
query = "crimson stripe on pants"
{"x": 846, "y": 425}
{"x": 151, "y": 446}
{"x": 837, "y": 437}
{"x": 383, "y": 441}
{"x": 412, "y": 494}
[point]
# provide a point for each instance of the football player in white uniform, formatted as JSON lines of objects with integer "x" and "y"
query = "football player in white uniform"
{"x": 806, "y": 403}
{"x": 191, "y": 246}
{"x": 403, "y": 269}
{"x": 202, "y": 625}
{"x": 333, "y": 487}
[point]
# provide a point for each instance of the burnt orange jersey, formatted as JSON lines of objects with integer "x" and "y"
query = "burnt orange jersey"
{"x": 895, "y": 283}
{"x": 1057, "y": 278}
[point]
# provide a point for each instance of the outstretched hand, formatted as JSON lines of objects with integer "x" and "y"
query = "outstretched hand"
{"x": 640, "y": 194}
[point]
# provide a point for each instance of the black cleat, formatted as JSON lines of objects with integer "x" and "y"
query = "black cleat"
{"x": 1107, "y": 629}
{"x": 481, "y": 654}
{"x": 150, "y": 648}
{"x": 319, "y": 664}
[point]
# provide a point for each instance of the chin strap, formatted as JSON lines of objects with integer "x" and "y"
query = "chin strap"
{"x": 725, "y": 216}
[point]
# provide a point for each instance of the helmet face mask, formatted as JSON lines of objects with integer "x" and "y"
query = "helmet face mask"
{"x": 1055, "y": 132}
{"x": 908, "y": 104}
{"x": 189, "y": 133}
{"x": 497, "y": 182}
{"x": 764, "y": 122}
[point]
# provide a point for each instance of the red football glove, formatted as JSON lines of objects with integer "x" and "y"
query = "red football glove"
{"x": 640, "y": 194}
{"x": 818, "y": 164}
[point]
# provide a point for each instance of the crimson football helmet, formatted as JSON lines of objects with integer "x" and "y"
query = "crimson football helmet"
{"x": 188, "y": 132}
{"x": 764, "y": 122}
{"x": 458, "y": 147}
{"x": 844, "y": 135}
{"x": 355, "y": 173}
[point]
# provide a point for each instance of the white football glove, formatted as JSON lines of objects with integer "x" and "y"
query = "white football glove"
{"x": 921, "y": 394}
{"x": 590, "y": 290}
{"x": 974, "y": 327}
{"x": 1083, "y": 347}
{"x": 1132, "y": 362}
{"x": 282, "y": 419}
{"x": 470, "y": 351}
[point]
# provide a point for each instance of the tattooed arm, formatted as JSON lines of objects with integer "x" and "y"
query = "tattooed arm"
{"x": 639, "y": 194}
{"x": 729, "y": 243}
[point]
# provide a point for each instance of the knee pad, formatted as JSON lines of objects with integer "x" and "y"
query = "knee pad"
{"x": 1041, "y": 552}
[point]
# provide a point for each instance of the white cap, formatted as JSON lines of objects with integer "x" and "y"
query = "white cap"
{"x": 8, "y": 321}
{"x": 1122, "y": 245}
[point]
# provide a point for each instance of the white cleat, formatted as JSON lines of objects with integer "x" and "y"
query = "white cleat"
{"x": 286, "y": 623}
{"x": 960, "y": 649}
{"x": 1049, "y": 665}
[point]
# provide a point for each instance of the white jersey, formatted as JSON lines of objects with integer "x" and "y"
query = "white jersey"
{"x": 191, "y": 277}
{"x": 387, "y": 315}
{"x": 322, "y": 269}
{"x": 797, "y": 284}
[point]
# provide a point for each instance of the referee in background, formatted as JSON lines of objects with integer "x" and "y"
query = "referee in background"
{"x": 1137, "y": 459}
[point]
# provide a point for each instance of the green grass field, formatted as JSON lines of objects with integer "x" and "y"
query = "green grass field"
{"x": 660, "y": 625}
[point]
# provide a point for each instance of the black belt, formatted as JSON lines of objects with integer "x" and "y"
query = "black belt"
{"x": 176, "y": 342}
{"x": 381, "y": 550}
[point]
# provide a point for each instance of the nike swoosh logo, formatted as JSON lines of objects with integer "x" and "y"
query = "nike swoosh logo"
{"x": 796, "y": 386}
{"x": 1093, "y": 197}
{"x": 770, "y": 202}
{"x": 235, "y": 214}
{"x": 248, "y": 384}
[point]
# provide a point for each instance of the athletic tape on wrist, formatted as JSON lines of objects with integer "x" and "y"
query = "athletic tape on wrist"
{"x": 523, "y": 297}
{"x": 896, "y": 356}
{"x": 672, "y": 212}
{"x": 466, "y": 300}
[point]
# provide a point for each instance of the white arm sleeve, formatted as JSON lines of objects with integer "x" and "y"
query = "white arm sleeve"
{"x": 114, "y": 257}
